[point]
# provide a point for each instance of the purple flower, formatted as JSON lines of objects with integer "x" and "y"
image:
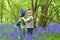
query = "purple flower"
{"x": 39, "y": 38}
{"x": 56, "y": 28}
{"x": 0, "y": 35}
{"x": 13, "y": 33}
{"x": 40, "y": 30}
{"x": 7, "y": 34}
{"x": 50, "y": 28}
{"x": 29, "y": 37}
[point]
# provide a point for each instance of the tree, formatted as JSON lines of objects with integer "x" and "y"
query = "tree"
{"x": 2, "y": 4}
{"x": 44, "y": 10}
{"x": 12, "y": 10}
{"x": 44, "y": 17}
{"x": 34, "y": 8}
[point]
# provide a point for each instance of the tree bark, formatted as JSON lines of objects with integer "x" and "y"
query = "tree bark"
{"x": 34, "y": 8}
{"x": 1, "y": 17}
{"x": 44, "y": 10}
{"x": 12, "y": 10}
{"x": 2, "y": 4}
{"x": 43, "y": 20}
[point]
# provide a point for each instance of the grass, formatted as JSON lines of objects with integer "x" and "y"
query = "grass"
{"x": 7, "y": 22}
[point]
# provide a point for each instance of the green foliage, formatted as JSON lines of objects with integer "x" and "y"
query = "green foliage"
{"x": 5, "y": 9}
{"x": 43, "y": 2}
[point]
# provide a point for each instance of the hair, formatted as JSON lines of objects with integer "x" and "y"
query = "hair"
{"x": 29, "y": 9}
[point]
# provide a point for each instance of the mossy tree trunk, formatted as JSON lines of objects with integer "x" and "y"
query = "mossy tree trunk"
{"x": 2, "y": 4}
{"x": 43, "y": 20}
{"x": 44, "y": 10}
{"x": 34, "y": 8}
{"x": 15, "y": 18}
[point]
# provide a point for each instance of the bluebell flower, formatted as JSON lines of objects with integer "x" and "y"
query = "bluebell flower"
{"x": 50, "y": 28}
{"x": 39, "y": 39}
{"x": 0, "y": 35}
{"x": 12, "y": 33}
{"x": 40, "y": 30}
{"x": 29, "y": 37}
{"x": 56, "y": 28}
{"x": 7, "y": 34}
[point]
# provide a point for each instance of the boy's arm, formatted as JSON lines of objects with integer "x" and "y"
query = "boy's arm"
{"x": 28, "y": 19}
{"x": 19, "y": 19}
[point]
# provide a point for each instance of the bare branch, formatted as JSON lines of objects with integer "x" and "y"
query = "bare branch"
{"x": 35, "y": 4}
{"x": 12, "y": 10}
{"x": 32, "y": 4}
{"x": 14, "y": 5}
{"x": 51, "y": 19}
{"x": 49, "y": 3}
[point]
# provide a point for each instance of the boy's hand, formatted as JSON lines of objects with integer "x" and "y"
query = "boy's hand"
{"x": 20, "y": 19}
{"x": 23, "y": 19}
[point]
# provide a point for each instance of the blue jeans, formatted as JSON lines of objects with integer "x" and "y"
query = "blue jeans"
{"x": 19, "y": 25}
{"x": 30, "y": 31}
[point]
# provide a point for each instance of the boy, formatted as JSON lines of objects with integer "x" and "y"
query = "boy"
{"x": 29, "y": 22}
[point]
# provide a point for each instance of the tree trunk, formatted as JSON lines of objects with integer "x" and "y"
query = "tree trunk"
{"x": 34, "y": 19}
{"x": 1, "y": 17}
{"x": 2, "y": 4}
{"x": 34, "y": 8}
{"x": 12, "y": 11}
{"x": 43, "y": 19}
{"x": 44, "y": 9}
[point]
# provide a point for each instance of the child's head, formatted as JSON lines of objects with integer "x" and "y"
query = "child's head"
{"x": 29, "y": 12}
